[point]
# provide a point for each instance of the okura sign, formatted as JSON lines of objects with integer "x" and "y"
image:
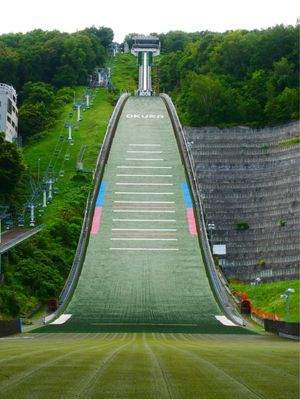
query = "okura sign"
{"x": 145, "y": 116}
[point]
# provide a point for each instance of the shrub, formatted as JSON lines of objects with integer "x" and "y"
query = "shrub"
{"x": 242, "y": 226}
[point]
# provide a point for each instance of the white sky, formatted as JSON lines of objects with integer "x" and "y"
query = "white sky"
{"x": 160, "y": 16}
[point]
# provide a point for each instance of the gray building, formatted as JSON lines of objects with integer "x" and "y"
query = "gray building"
{"x": 8, "y": 112}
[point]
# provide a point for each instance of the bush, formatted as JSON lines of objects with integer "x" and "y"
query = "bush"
{"x": 242, "y": 226}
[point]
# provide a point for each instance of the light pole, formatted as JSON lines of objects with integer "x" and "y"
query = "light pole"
{"x": 38, "y": 176}
{"x": 211, "y": 229}
{"x": 288, "y": 291}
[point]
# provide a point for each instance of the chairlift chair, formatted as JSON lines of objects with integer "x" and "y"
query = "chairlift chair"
{"x": 21, "y": 222}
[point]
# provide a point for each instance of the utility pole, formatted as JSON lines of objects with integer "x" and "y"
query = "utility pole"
{"x": 78, "y": 113}
{"x": 288, "y": 291}
{"x": 38, "y": 176}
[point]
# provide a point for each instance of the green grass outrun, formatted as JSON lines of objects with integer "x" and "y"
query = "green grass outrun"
{"x": 138, "y": 366}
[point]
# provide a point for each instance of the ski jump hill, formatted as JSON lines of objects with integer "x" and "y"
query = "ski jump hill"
{"x": 143, "y": 261}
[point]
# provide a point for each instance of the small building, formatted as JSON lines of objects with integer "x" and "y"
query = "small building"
{"x": 8, "y": 112}
{"x": 144, "y": 43}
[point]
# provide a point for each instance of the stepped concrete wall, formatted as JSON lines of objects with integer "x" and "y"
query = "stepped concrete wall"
{"x": 248, "y": 176}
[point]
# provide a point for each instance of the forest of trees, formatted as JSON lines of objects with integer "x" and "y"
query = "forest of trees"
{"x": 236, "y": 77}
{"x": 56, "y": 58}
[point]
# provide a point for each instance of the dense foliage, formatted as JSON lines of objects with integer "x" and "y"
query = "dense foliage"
{"x": 41, "y": 106}
{"x": 12, "y": 169}
{"x": 236, "y": 77}
{"x": 37, "y": 269}
{"x": 60, "y": 59}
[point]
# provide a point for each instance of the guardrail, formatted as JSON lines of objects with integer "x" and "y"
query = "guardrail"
{"x": 72, "y": 279}
{"x": 220, "y": 289}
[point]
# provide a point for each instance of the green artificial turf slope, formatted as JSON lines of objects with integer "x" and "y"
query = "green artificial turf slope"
{"x": 143, "y": 269}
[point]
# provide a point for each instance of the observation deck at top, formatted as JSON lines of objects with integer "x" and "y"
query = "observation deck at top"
{"x": 145, "y": 44}
{"x": 145, "y": 47}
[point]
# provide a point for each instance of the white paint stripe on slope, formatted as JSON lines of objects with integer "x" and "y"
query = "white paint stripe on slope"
{"x": 62, "y": 319}
{"x": 144, "y": 239}
{"x": 121, "y": 229}
{"x": 145, "y": 220}
{"x": 144, "y": 184}
{"x": 144, "y": 202}
{"x": 144, "y": 152}
{"x": 140, "y": 193}
{"x": 141, "y": 211}
{"x": 125, "y": 175}
{"x": 143, "y": 167}
{"x": 144, "y": 159}
{"x": 144, "y": 145}
{"x": 144, "y": 249}
{"x": 225, "y": 321}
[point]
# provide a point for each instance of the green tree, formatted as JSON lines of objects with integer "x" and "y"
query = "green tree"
{"x": 284, "y": 106}
{"x": 175, "y": 41}
{"x": 11, "y": 166}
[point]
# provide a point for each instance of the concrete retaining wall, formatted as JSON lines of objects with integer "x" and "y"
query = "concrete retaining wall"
{"x": 248, "y": 176}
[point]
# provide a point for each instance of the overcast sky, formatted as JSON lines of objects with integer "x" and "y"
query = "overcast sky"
{"x": 161, "y": 16}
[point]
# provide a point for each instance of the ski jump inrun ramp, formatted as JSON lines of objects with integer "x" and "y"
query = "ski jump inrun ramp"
{"x": 142, "y": 268}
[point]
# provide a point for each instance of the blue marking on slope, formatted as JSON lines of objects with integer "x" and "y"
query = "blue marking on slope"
{"x": 101, "y": 193}
{"x": 187, "y": 196}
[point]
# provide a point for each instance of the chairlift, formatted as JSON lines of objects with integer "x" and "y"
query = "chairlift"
{"x": 71, "y": 142}
{"x": 67, "y": 156}
{"x": 66, "y": 124}
{"x": 61, "y": 173}
{"x": 70, "y": 114}
{"x": 21, "y": 222}
{"x": 8, "y": 224}
{"x": 62, "y": 138}
{"x": 50, "y": 167}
